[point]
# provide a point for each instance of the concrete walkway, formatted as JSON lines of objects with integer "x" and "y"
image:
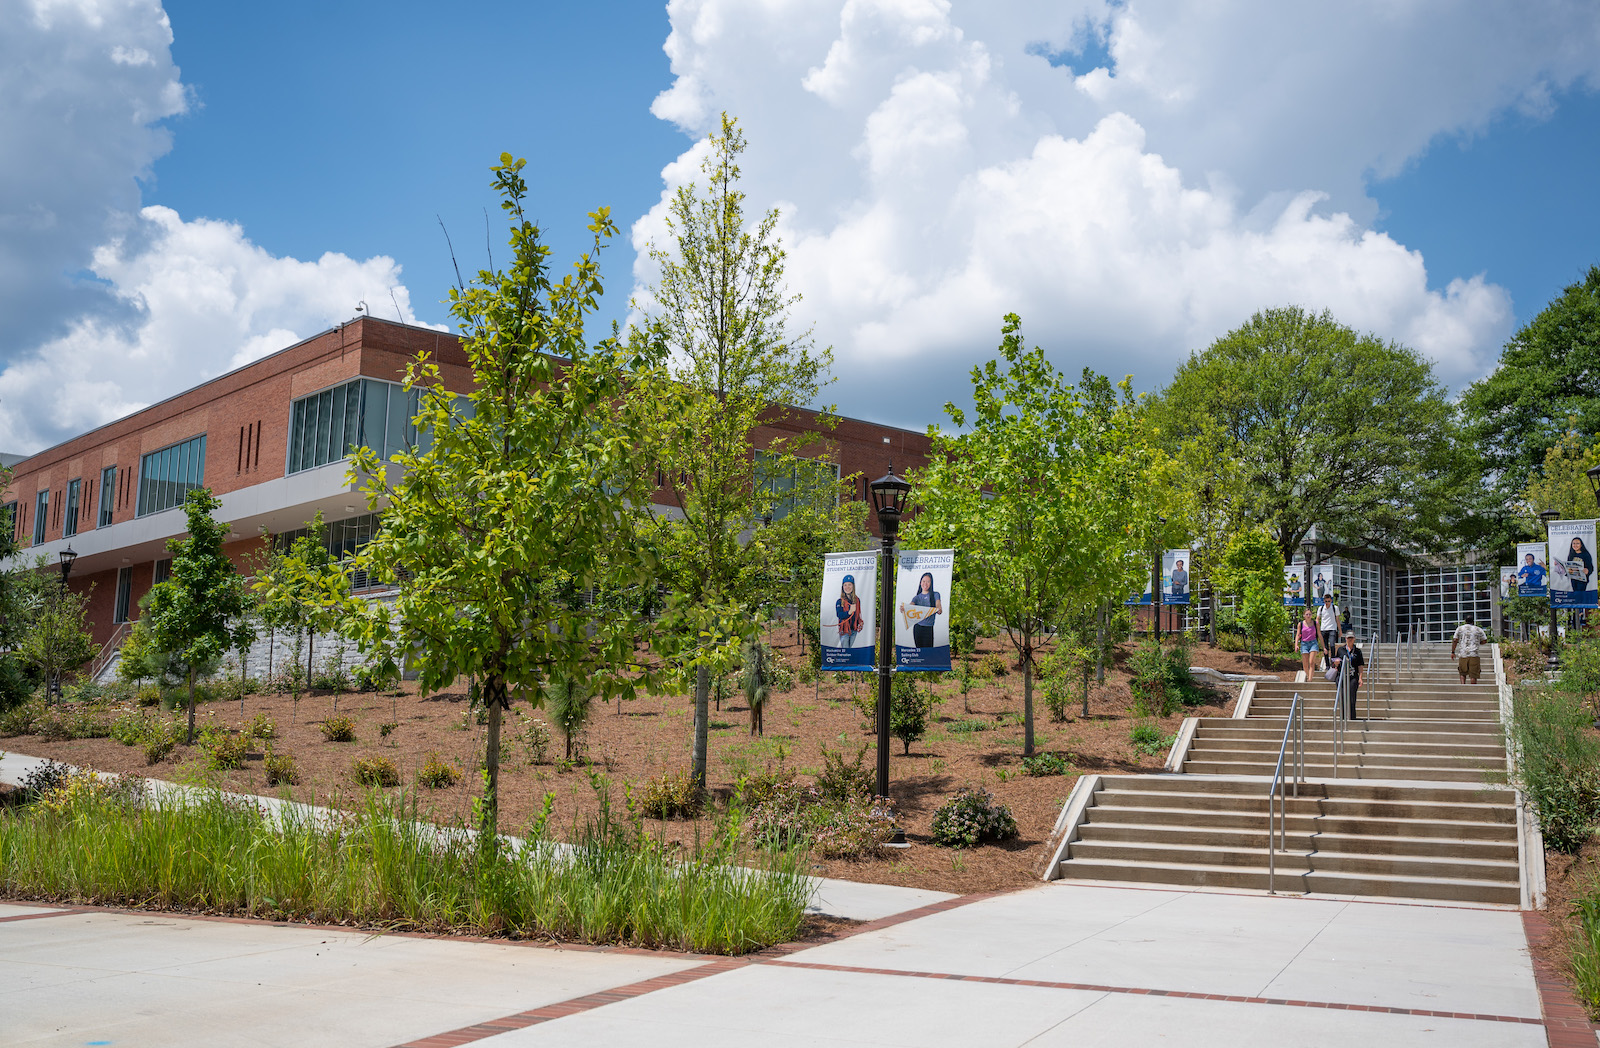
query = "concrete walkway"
{"x": 1059, "y": 964}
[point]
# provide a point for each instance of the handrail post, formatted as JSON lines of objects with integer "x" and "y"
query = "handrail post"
{"x": 1277, "y": 801}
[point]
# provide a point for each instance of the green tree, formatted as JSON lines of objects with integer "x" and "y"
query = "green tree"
{"x": 1261, "y": 613}
{"x": 24, "y": 589}
{"x": 1329, "y": 428}
{"x": 1560, "y": 484}
{"x": 58, "y": 642}
{"x": 1044, "y": 492}
{"x": 1545, "y": 385}
{"x": 516, "y": 502}
{"x": 196, "y": 614}
{"x": 721, "y": 308}
{"x": 290, "y": 594}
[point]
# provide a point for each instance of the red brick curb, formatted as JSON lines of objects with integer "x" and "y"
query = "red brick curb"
{"x": 36, "y": 916}
{"x": 1566, "y": 1023}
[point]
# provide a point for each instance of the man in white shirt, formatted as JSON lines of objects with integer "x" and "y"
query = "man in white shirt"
{"x": 1328, "y": 623}
{"x": 1467, "y": 637}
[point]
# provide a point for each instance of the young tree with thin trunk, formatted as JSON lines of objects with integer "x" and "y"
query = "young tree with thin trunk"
{"x": 721, "y": 309}
{"x": 196, "y": 615}
{"x": 516, "y": 499}
{"x": 1048, "y": 493}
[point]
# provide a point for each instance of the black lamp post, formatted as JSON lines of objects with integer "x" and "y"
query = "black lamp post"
{"x": 1593, "y": 473}
{"x": 1308, "y": 546}
{"x": 1155, "y": 584}
{"x": 67, "y": 557}
{"x": 1554, "y": 660}
{"x": 889, "y": 496}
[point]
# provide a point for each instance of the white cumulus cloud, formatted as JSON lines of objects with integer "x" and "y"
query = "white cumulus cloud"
{"x": 1132, "y": 178}
{"x": 110, "y": 306}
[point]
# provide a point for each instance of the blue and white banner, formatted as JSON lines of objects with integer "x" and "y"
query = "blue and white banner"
{"x": 1294, "y": 585}
{"x": 1175, "y": 576}
{"x": 1508, "y": 582}
{"x": 850, "y": 611}
{"x": 1533, "y": 569}
{"x": 922, "y": 609}
{"x": 1572, "y": 583}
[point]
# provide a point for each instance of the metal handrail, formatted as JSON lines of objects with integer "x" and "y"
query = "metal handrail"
{"x": 110, "y": 648}
{"x": 1372, "y": 672}
{"x": 1295, "y": 731}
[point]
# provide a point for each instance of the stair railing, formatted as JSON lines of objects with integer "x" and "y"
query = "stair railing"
{"x": 111, "y": 647}
{"x": 1294, "y": 732}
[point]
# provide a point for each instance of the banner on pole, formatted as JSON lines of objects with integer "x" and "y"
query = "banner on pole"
{"x": 1571, "y": 581}
{"x": 922, "y": 610}
{"x": 850, "y": 611}
{"x": 1175, "y": 576}
{"x": 1508, "y": 582}
{"x": 1533, "y": 570}
{"x": 1294, "y": 585}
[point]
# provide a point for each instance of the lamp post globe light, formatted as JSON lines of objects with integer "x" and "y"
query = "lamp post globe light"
{"x": 889, "y": 496}
{"x": 67, "y": 558}
{"x": 1593, "y": 473}
{"x": 1553, "y": 661}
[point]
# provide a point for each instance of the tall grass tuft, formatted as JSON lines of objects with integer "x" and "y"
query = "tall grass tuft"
{"x": 1558, "y": 763}
{"x": 380, "y": 866}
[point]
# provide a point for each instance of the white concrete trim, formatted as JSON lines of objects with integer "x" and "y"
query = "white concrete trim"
{"x": 1079, "y": 801}
{"x": 1180, "y": 744}
{"x": 1241, "y": 709}
{"x": 1530, "y": 850}
{"x": 1299, "y": 676}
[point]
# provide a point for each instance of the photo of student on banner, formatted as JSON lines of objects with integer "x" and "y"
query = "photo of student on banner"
{"x": 849, "y": 606}
{"x": 1508, "y": 582}
{"x": 1572, "y": 581}
{"x": 1175, "y": 576}
{"x": 1294, "y": 585}
{"x": 1533, "y": 569}
{"x": 922, "y": 619}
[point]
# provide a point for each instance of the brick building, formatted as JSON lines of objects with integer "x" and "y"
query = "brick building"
{"x": 270, "y": 440}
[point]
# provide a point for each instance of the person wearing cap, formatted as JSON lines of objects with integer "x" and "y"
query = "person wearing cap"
{"x": 1468, "y": 636}
{"x": 848, "y": 610}
{"x": 1352, "y": 675}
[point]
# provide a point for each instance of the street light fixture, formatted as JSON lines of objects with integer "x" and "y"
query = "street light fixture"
{"x": 889, "y": 496}
{"x": 1308, "y": 546}
{"x": 67, "y": 558}
{"x": 1593, "y": 473}
{"x": 1553, "y": 661}
{"x": 1155, "y": 582}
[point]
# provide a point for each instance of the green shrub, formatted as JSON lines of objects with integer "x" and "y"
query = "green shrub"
{"x": 435, "y": 774}
{"x": 756, "y": 788}
{"x": 280, "y": 769}
{"x": 148, "y": 695}
{"x": 991, "y": 664}
{"x": 968, "y": 726}
{"x": 1160, "y": 680}
{"x": 44, "y": 779}
{"x": 909, "y": 709}
{"x": 536, "y": 737}
{"x": 671, "y": 797}
{"x": 375, "y": 771}
{"x": 372, "y": 678}
{"x": 1148, "y": 740}
{"x": 1046, "y": 764}
{"x": 161, "y": 739}
{"x": 781, "y": 674}
{"x": 387, "y": 728}
{"x": 331, "y": 677}
{"x": 972, "y": 817}
{"x": 339, "y": 729}
{"x": 1557, "y": 763}
{"x": 262, "y": 727}
{"x": 841, "y": 780}
{"x": 227, "y": 751}
{"x": 800, "y": 817}
{"x": 857, "y": 829}
{"x": 1584, "y": 951}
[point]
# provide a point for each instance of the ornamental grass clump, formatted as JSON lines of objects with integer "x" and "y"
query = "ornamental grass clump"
{"x": 672, "y": 797}
{"x": 375, "y": 771}
{"x": 379, "y": 865}
{"x": 972, "y": 817}
{"x": 435, "y": 774}
{"x": 339, "y": 729}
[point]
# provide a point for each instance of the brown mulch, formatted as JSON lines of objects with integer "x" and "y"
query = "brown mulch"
{"x": 651, "y": 736}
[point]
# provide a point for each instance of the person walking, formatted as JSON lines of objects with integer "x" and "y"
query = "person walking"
{"x": 1349, "y": 659}
{"x": 1310, "y": 643}
{"x": 1328, "y": 623}
{"x": 1467, "y": 637}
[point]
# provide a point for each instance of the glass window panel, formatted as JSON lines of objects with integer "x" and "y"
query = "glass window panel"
{"x": 69, "y": 519}
{"x": 297, "y": 421}
{"x": 108, "y": 495}
{"x": 374, "y": 414}
{"x": 324, "y": 420}
{"x": 350, "y": 434}
{"x": 308, "y": 433}
{"x": 334, "y": 447}
{"x": 397, "y": 434}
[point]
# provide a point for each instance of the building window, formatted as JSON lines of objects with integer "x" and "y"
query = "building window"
{"x": 41, "y": 515}
{"x": 108, "y": 495}
{"x": 119, "y": 610}
{"x": 167, "y": 476}
{"x": 798, "y": 483}
{"x": 70, "y": 528}
{"x": 8, "y": 513}
{"x": 163, "y": 571}
{"x": 326, "y": 427}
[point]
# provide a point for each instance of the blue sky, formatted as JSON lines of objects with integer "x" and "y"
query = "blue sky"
{"x": 187, "y": 186}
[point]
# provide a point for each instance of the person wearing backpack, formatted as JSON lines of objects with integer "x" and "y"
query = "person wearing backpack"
{"x": 1328, "y": 624}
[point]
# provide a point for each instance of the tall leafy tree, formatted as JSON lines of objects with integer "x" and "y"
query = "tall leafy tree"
{"x": 1047, "y": 492}
{"x": 1329, "y": 427}
{"x": 24, "y": 590}
{"x": 57, "y": 642}
{"x": 721, "y": 308}
{"x": 510, "y": 505}
{"x": 197, "y": 614}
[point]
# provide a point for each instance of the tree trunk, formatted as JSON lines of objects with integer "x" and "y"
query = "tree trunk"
{"x": 1027, "y": 699}
{"x": 1086, "y": 691}
{"x": 494, "y": 693}
{"x": 190, "y": 741}
{"x": 702, "y": 714}
{"x": 1100, "y": 647}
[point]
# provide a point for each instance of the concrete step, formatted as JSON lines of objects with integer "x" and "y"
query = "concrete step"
{"x": 1369, "y": 741}
{"x": 1432, "y": 726}
{"x": 1393, "y": 886}
{"x": 1468, "y": 809}
{"x": 1386, "y": 710}
{"x": 1303, "y": 822}
{"x": 1303, "y": 836}
{"x": 1348, "y": 767}
{"x": 1322, "y": 789}
{"x": 1298, "y": 861}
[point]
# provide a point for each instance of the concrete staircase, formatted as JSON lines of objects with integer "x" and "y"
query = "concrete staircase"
{"x": 1413, "y": 812}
